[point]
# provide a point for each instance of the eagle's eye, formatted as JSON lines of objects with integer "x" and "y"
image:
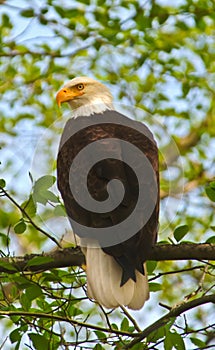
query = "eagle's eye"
{"x": 80, "y": 86}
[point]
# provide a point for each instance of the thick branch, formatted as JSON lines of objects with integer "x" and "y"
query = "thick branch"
{"x": 183, "y": 251}
{"x": 73, "y": 257}
{"x": 175, "y": 312}
{"x": 59, "y": 258}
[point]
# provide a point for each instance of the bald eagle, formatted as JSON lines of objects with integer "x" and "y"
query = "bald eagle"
{"x": 113, "y": 160}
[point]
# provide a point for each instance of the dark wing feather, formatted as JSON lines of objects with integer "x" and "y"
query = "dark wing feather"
{"x": 78, "y": 133}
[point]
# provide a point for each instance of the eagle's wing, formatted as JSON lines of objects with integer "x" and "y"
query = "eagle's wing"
{"x": 129, "y": 254}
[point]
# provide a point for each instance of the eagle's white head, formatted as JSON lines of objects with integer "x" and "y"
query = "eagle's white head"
{"x": 85, "y": 96}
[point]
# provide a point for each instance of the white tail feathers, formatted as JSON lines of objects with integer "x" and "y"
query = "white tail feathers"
{"x": 103, "y": 282}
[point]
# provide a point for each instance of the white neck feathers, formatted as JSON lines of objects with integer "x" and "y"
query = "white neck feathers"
{"x": 97, "y": 105}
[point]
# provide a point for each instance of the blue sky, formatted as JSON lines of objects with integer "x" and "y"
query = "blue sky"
{"x": 23, "y": 148}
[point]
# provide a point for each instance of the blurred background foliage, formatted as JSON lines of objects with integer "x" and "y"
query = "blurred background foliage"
{"x": 156, "y": 55}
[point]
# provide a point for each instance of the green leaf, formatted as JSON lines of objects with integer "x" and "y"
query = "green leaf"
{"x": 156, "y": 335}
{"x": 125, "y": 324}
{"x": 185, "y": 88}
{"x": 101, "y": 335}
{"x": 15, "y": 336}
{"x": 201, "y": 24}
{"x": 6, "y": 265}
{"x": 40, "y": 190}
{"x": 43, "y": 20}
{"x": 5, "y": 239}
{"x": 39, "y": 260}
{"x": 173, "y": 340}
{"x": 27, "y": 13}
{"x": 20, "y": 227}
{"x": 33, "y": 292}
{"x": 210, "y": 192}
{"x": 61, "y": 11}
{"x": 39, "y": 341}
{"x": 197, "y": 342}
{"x": 6, "y": 21}
{"x": 59, "y": 210}
{"x": 74, "y": 311}
{"x": 2, "y": 183}
{"x": 51, "y": 197}
{"x": 25, "y": 301}
{"x": 180, "y": 232}
{"x": 40, "y": 197}
{"x": 114, "y": 326}
{"x": 50, "y": 277}
{"x": 211, "y": 240}
{"x": 168, "y": 342}
{"x": 30, "y": 206}
{"x": 155, "y": 287}
{"x": 44, "y": 182}
{"x": 151, "y": 266}
{"x": 212, "y": 184}
{"x": 15, "y": 318}
{"x": 98, "y": 347}
{"x": 178, "y": 341}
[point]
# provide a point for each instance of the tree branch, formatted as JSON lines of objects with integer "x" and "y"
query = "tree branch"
{"x": 175, "y": 312}
{"x": 183, "y": 251}
{"x": 60, "y": 318}
{"x": 74, "y": 257}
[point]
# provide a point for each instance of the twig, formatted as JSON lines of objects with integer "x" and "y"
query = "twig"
{"x": 106, "y": 315}
{"x": 4, "y": 341}
{"x": 176, "y": 271}
{"x": 131, "y": 319}
{"x": 29, "y": 218}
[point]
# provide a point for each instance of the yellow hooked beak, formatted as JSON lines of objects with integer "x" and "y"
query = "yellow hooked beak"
{"x": 65, "y": 95}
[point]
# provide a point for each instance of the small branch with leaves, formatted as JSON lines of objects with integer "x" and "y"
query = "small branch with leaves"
{"x": 174, "y": 312}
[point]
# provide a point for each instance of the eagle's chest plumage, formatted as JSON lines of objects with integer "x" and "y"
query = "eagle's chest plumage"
{"x": 82, "y": 132}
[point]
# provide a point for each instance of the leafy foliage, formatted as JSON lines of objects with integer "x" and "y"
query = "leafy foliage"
{"x": 155, "y": 55}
